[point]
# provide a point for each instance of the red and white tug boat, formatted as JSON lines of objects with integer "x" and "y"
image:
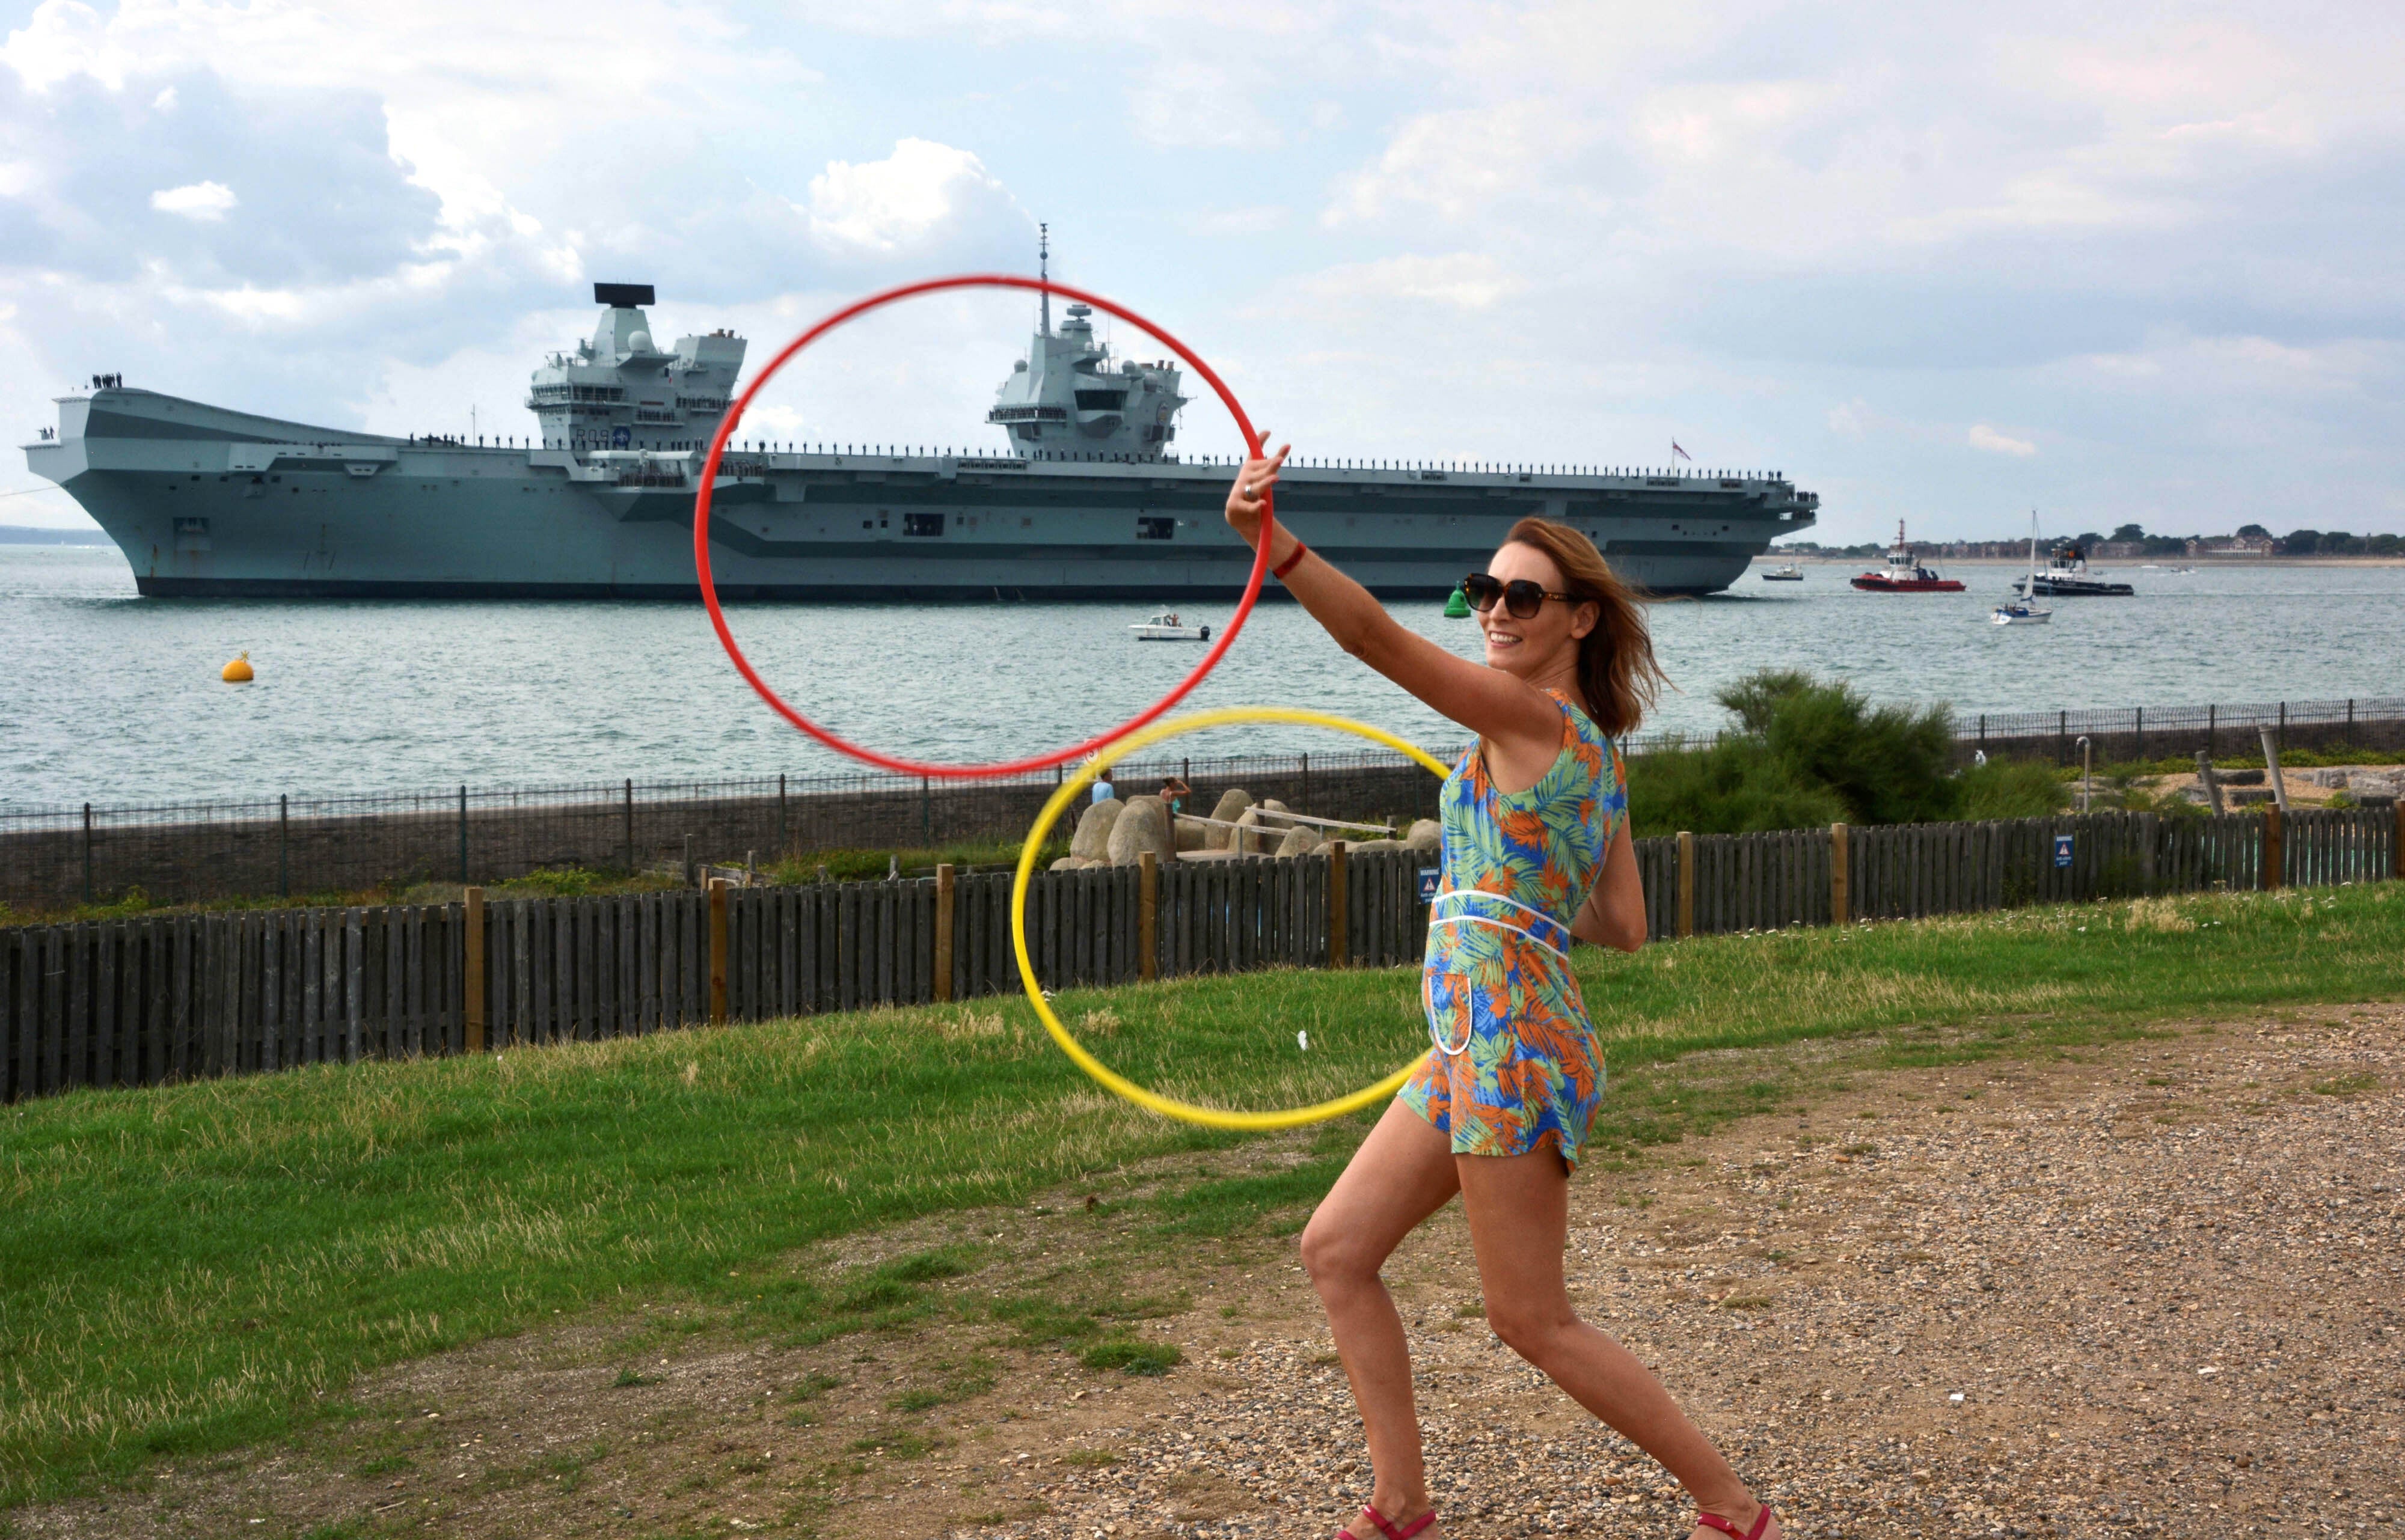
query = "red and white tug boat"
{"x": 1904, "y": 575}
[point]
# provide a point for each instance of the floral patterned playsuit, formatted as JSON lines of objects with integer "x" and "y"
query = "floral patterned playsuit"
{"x": 1517, "y": 1064}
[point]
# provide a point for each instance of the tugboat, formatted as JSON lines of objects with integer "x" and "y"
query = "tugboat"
{"x": 1905, "y": 574}
{"x": 1788, "y": 573}
{"x": 2066, "y": 576}
{"x": 1166, "y": 627}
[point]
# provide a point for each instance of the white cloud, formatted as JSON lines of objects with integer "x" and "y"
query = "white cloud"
{"x": 1190, "y": 103}
{"x": 1983, "y": 436}
{"x": 1848, "y": 418}
{"x": 1463, "y": 280}
{"x": 210, "y": 201}
{"x": 913, "y": 199}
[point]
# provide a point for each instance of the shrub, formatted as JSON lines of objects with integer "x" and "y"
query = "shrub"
{"x": 1730, "y": 787}
{"x": 2012, "y": 789}
{"x": 1805, "y": 753}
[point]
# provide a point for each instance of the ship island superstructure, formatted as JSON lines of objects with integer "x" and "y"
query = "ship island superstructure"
{"x": 1085, "y": 498}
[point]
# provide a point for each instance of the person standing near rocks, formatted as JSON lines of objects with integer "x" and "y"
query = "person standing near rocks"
{"x": 1536, "y": 850}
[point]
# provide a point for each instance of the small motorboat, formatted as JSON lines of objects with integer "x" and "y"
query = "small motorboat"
{"x": 1166, "y": 627}
{"x": 1788, "y": 573}
{"x": 1905, "y": 574}
{"x": 2024, "y": 611}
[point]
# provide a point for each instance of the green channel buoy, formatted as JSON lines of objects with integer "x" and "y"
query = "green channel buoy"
{"x": 1457, "y": 606}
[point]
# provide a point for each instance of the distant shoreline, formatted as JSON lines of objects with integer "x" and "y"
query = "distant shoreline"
{"x": 27, "y": 534}
{"x": 1805, "y": 559}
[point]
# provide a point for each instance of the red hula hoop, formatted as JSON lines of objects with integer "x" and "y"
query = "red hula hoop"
{"x": 1009, "y": 767}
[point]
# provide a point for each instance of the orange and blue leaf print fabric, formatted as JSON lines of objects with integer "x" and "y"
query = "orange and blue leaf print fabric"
{"x": 1517, "y": 1066}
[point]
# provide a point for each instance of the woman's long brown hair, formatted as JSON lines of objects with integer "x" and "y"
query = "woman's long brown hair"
{"x": 1617, "y": 676}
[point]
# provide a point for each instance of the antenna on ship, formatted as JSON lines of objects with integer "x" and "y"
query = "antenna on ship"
{"x": 1044, "y": 273}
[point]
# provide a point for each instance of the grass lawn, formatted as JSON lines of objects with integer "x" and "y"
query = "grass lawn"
{"x": 207, "y": 1266}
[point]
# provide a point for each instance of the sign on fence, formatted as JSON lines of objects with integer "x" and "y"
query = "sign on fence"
{"x": 2062, "y": 852}
{"x": 1429, "y": 877}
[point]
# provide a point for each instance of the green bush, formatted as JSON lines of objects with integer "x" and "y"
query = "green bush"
{"x": 2012, "y": 789}
{"x": 1803, "y": 753}
{"x": 1730, "y": 787}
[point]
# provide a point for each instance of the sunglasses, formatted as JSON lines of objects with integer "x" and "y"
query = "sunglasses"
{"x": 1521, "y": 597}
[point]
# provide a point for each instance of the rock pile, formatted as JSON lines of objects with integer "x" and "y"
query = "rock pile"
{"x": 1116, "y": 833}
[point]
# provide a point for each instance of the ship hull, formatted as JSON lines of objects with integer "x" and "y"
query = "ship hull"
{"x": 209, "y": 503}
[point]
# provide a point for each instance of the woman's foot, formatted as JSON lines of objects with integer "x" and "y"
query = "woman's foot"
{"x": 1399, "y": 1522}
{"x": 1748, "y": 1521}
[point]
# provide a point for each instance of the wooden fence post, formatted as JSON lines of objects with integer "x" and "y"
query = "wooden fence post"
{"x": 1686, "y": 883}
{"x": 1337, "y": 949}
{"x": 2272, "y": 854}
{"x": 2397, "y": 847}
{"x": 472, "y": 981}
{"x": 945, "y": 885}
{"x": 1147, "y": 916}
{"x": 1839, "y": 876}
{"x": 717, "y": 949}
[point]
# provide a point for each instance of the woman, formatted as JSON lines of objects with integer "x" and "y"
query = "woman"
{"x": 1536, "y": 851}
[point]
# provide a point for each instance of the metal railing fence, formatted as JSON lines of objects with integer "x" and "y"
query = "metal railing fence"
{"x": 55, "y": 857}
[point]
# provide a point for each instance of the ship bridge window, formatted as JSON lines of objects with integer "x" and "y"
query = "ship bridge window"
{"x": 923, "y": 526}
{"x": 1156, "y": 529}
{"x": 1102, "y": 401}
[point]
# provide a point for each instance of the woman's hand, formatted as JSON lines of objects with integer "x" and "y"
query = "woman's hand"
{"x": 1250, "y": 498}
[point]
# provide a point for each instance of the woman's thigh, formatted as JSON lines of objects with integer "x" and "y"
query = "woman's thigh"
{"x": 1518, "y": 1209}
{"x": 1402, "y": 1173}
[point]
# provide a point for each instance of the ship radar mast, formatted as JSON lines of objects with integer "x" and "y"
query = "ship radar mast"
{"x": 1043, "y": 274}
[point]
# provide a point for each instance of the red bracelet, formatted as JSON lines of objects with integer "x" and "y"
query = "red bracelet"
{"x": 1282, "y": 569}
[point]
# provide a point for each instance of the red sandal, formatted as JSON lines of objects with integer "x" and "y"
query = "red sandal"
{"x": 1392, "y": 1531}
{"x": 1714, "y": 1521}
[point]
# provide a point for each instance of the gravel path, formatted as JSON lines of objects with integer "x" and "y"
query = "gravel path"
{"x": 2152, "y": 1289}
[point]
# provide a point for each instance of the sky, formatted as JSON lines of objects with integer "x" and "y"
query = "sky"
{"x": 1947, "y": 264}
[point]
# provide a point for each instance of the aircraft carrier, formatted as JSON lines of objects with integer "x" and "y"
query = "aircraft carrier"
{"x": 1083, "y": 498}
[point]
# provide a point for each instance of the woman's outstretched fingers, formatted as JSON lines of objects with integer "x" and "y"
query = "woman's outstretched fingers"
{"x": 1246, "y": 497}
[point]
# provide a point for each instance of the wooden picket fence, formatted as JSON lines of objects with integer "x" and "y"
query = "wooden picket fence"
{"x": 171, "y": 996}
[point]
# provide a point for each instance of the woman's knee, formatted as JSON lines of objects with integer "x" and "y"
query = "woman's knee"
{"x": 1534, "y": 1329}
{"x": 1330, "y": 1254}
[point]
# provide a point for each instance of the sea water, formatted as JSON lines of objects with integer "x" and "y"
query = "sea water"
{"x": 109, "y": 697}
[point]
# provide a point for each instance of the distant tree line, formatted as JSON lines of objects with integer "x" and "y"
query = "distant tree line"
{"x": 2297, "y": 542}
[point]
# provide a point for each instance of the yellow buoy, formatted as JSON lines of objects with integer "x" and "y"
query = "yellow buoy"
{"x": 238, "y": 671}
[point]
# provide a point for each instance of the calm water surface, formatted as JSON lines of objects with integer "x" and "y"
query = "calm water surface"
{"x": 110, "y": 697}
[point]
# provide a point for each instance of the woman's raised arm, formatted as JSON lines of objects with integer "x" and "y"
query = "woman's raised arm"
{"x": 1495, "y": 705}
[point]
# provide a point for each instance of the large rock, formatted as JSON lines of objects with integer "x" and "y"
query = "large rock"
{"x": 1192, "y": 835}
{"x": 1299, "y": 841}
{"x": 1143, "y": 825}
{"x": 1231, "y": 806}
{"x": 1353, "y": 847}
{"x": 1070, "y": 863}
{"x": 1092, "y": 840}
{"x": 1247, "y": 838}
{"x": 1426, "y": 835}
{"x": 2372, "y": 787}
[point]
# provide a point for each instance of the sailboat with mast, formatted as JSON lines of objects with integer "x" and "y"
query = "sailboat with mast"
{"x": 2024, "y": 611}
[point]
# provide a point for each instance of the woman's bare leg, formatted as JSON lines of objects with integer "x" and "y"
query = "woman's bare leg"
{"x": 1402, "y": 1173}
{"x": 1518, "y": 1208}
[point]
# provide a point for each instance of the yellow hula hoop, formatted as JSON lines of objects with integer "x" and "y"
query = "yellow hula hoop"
{"x": 1210, "y": 1117}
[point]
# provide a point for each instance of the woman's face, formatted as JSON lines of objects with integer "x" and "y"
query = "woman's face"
{"x": 1546, "y": 642}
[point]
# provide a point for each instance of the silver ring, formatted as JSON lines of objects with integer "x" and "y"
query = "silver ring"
{"x": 1248, "y": 489}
